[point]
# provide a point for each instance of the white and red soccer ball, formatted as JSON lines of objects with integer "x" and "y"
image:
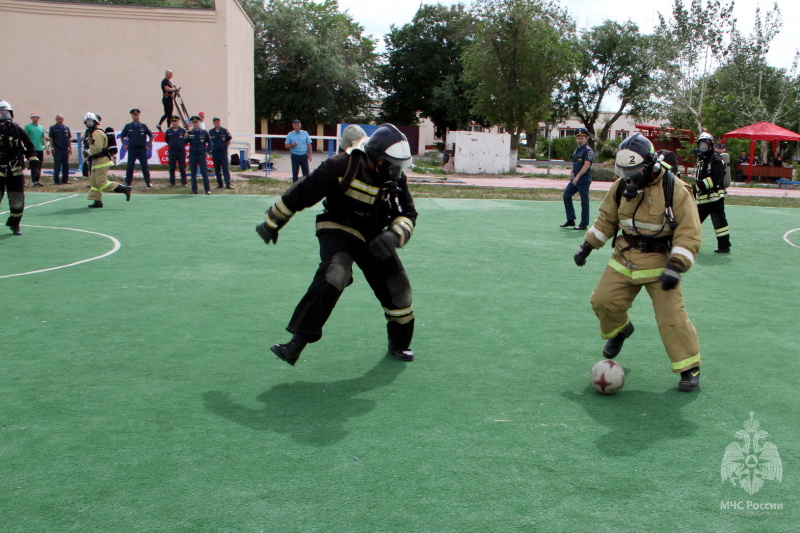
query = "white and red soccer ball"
{"x": 607, "y": 377}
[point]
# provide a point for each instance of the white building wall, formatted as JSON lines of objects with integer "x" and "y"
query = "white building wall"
{"x": 109, "y": 59}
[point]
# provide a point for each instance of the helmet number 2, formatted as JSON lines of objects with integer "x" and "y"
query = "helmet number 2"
{"x": 633, "y": 160}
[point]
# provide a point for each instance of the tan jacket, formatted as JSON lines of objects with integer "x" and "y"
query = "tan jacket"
{"x": 648, "y": 219}
{"x": 97, "y": 144}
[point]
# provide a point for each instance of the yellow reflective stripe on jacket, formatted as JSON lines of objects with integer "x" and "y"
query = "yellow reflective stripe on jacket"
{"x": 635, "y": 274}
{"x": 691, "y": 361}
{"x": 104, "y": 165}
{"x": 341, "y": 227}
{"x": 362, "y": 192}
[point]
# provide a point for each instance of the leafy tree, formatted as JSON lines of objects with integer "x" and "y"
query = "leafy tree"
{"x": 311, "y": 61}
{"x": 614, "y": 62}
{"x": 752, "y": 90}
{"x": 423, "y": 74}
{"x": 521, "y": 49}
{"x": 687, "y": 48}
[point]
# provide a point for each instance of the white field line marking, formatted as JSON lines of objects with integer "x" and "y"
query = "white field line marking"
{"x": 786, "y": 237}
{"x": 43, "y": 203}
{"x": 116, "y": 247}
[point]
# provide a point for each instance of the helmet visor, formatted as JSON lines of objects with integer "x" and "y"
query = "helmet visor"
{"x": 399, "y": 154}
{"x": 629, "y": 172}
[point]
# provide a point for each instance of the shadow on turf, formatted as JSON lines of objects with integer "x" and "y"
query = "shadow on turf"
{"x": 310, "y": 413}
{"x": 636, "y": 419}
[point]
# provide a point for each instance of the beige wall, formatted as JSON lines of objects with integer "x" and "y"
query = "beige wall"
{"x": 73, "y": 58}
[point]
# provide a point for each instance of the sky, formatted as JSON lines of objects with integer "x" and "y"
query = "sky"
{"x": 588, "y": 13}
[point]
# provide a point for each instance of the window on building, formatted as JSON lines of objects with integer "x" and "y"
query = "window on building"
{"x": 566, "y": 132}
{"x": 501, "y": 129}
{"x": 475, "y": 127}
{"x": 622, "y": 134}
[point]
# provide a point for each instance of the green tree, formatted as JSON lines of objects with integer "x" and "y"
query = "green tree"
{"x": 521, "y": 50}
{"x": 614, "y": 62}
{"x": 753, "y": 90}
{"x": 312, "y": 61}
{"x": 423, "y": 74}
{"x": 687, "y": 47}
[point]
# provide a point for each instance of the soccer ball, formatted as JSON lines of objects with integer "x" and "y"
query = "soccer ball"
{"x": 607, "y": 377}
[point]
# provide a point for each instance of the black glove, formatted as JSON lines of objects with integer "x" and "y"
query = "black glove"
{"x": 384, "y": 244}
{"x": 583, "y": 252}
{"x": 670, "y": 278}
{"x": 267, "y": 233}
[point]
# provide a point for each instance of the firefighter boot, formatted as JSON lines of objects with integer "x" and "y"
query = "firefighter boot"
{"x": 403, "y": 355}
{"x": 690, "y": 380}
{"x": 96, "y": 204}
{"x": 614, "y": 344}
{"x": 400, "y": 339}
{"x": 13, "y": 224}
{"x": 290, "y": 352}
{"x": 124, "y": 189}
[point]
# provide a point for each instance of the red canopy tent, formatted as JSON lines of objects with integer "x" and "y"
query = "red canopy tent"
{"x": 762, "y": 131}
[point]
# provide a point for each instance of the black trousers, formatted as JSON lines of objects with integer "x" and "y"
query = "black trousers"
{"x": 387, "y": 279}
{"x": 717, "y": 212}
{"x": 13, "y": 182}
{"x": 178, "y": 158}
{"x": 167, "y": 102}
{"x": 137, "y": 154}
{"x": 36, "y": 167}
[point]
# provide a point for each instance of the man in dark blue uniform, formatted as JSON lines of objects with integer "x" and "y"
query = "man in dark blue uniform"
{"x": 199, "y": 145}
{"x": 176, "y": 149}
{"x": 61, "y": 140}
{"x": 579, "y": 181}
{"x": 137, "y": 139}
{"x": 220, "y": 139}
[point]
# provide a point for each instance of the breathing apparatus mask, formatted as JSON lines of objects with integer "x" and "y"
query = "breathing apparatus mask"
{"x": 389, "y": 171}
{"x": 6, "y": 111}
{"x": 705, "y": 145}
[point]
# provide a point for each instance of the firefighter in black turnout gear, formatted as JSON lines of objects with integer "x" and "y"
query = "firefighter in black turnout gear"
{"x": 709, "y": 190}
{"x": 15, "y": 147}
{"x": 368, "y": 213}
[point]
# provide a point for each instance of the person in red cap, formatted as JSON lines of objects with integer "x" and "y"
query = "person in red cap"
{"x": 40, "y": 143}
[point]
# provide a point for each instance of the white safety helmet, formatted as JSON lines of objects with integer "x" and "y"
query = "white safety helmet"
{"x": 91, "y": 117}
{"x": 705, "y": 143}
{"x": 353, "y": 138}
{"x": 6, "y": 111}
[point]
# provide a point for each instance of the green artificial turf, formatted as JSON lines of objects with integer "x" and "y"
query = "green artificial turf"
{"x": 139, "y": 394}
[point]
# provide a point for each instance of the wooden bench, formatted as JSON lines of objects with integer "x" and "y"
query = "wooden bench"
{"x": 784, "y": 183}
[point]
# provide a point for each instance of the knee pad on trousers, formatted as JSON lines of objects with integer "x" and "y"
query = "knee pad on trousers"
{"x": 16, "y": 202}
{"x": 340, "y": 271}
{"x": 400, "y": 289}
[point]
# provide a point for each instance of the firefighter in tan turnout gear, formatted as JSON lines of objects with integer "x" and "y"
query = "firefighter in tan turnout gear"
{"x": 97, "y": 149}
{"x": 660, "y": 240}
